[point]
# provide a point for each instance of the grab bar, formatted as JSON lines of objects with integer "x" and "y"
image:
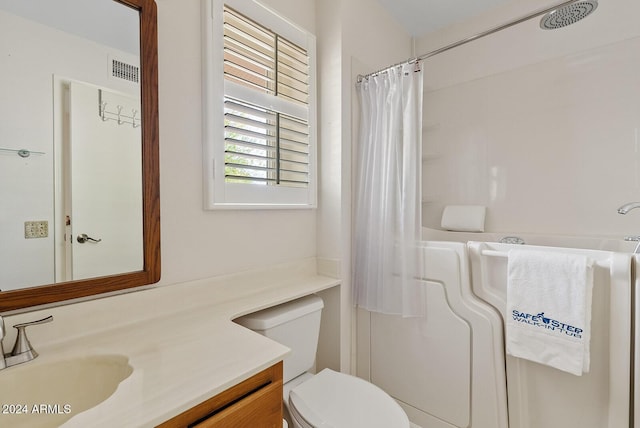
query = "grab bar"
{"x": 605, "y": 263}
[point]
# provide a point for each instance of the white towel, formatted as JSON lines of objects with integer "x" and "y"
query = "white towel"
{"x": 549, "y": 309}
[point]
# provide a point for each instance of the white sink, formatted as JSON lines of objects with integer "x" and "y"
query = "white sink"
{"x": 48, "y": 394}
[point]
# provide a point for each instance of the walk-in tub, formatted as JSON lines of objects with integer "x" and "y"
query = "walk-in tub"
{"x": 449, "y": 369}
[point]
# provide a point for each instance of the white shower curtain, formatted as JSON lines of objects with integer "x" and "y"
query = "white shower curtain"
{"x": 387, "y": 221}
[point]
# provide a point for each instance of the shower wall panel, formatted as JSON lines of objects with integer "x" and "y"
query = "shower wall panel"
{"x": 551, "y": 147}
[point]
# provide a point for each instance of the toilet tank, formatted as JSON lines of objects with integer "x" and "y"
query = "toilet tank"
{"x": 294, "y": 324}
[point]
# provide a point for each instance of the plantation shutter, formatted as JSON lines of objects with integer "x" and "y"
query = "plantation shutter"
{"x": 266, "y": 105}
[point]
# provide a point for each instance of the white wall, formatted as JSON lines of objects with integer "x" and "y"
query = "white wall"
{"x": 198, "y": 243}
{"x": 195, "y": 243}
{"x": 355, "y": 37}
{"x": 542, "y": 127}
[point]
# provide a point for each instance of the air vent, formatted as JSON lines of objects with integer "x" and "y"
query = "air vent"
{"x": 122, "y": 70}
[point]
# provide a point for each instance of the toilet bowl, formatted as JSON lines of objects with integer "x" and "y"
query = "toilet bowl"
{"x": 328, "y": 399}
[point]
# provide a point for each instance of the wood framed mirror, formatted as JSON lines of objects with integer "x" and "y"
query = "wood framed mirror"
{"x": 147, "y": 270}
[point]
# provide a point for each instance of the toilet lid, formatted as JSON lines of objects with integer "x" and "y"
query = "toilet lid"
{"x": 337, "y": 400}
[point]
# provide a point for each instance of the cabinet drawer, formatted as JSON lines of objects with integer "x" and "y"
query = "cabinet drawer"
{"x": 262, "y": 409}
{"x": 253, "y": 403}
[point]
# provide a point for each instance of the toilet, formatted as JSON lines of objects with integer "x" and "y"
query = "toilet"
{"x": 328, "y": 399}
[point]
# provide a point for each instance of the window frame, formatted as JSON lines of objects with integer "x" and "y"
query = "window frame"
{"x": 218, "y": 193}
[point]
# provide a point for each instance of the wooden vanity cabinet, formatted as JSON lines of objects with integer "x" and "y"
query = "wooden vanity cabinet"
{"x": 253, "y": 403}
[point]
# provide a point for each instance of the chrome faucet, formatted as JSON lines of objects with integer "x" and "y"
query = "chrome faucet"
{"x": 22, "y": 350}
{"x": 628, "y": 207}
{"x": 623, "y": 210}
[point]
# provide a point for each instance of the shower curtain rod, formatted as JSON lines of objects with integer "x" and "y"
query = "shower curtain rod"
{"x": 469, "y": 39}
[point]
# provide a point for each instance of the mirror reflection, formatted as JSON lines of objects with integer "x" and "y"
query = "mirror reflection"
{"x": 70, "y": 141}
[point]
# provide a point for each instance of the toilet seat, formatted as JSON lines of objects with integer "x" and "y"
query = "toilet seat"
{"x": 337, "y": 400}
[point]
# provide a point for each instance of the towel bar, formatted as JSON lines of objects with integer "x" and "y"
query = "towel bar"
{"x": 605, "y": 263}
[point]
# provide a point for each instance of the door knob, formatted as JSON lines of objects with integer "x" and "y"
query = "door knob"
{"x": 83, "y": 237}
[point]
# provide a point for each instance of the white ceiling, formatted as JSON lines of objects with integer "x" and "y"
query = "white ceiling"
{"x": 420, "y": 17}
{"x": 106, "y": 22}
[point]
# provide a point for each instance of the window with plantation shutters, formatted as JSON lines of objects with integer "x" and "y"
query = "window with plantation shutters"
{"x": 260, "y": 134}
{"x": 262, "y": 146}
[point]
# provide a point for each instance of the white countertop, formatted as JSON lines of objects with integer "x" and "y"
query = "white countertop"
{"x": 179, "y": 339}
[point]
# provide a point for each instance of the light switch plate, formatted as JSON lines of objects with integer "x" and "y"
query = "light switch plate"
{"x": 36, "y": 229}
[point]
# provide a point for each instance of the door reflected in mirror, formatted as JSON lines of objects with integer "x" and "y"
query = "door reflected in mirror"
{"x": 101, "y": 172}
{"x": 71, "y": 152}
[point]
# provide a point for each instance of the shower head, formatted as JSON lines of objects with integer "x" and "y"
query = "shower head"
{"x": 568, "y": 14}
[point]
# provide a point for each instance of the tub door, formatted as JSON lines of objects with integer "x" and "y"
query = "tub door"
{"x": 541, "y": 396}
{"x": 447, "y": 369}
